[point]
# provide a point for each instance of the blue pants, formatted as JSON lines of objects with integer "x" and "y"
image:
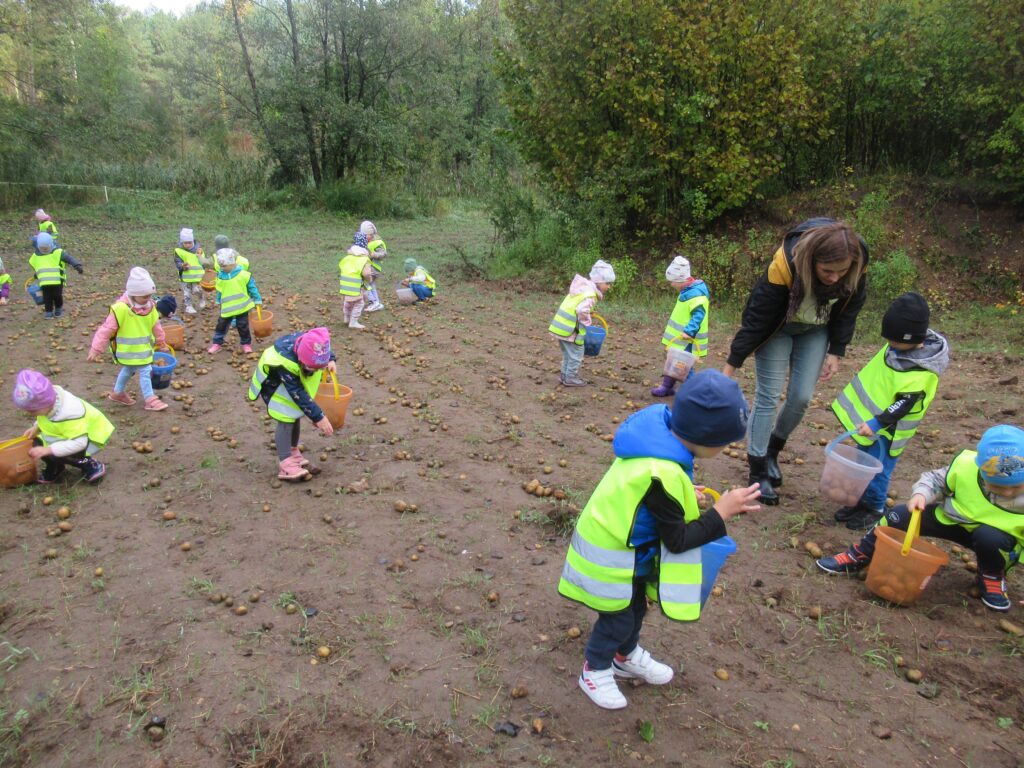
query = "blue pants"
{"x": 421, "y": 291}
{"x": 799, "y": 350}
{"x": 875, "y": 494}
{"x": 241, "y": 323}
{"x": 145, "y": 379}
{"x": 617, "y": 632}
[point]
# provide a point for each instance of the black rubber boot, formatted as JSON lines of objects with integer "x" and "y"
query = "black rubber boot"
{"x": 758, "y": 474}
{"x": 771, "y": 460}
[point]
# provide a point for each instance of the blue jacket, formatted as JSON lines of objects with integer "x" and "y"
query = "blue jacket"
{"x": 285, "y": 346}
{"x": 254, "y": 292}
{"x": 692, "y": 291}
{"x": 646, "y": 434}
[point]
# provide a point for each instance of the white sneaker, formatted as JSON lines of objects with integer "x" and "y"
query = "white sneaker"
{"x": 640, "y": 664}
{"x": 190, "y": 310}
{"x": 202, "y": 304}
{"x": 374, "y": 307}
{"x": 356, "y": 326}
{"x": 601, "y": 687}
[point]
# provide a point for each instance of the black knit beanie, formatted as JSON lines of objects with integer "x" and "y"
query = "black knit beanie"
{"x": 906, "y": 319}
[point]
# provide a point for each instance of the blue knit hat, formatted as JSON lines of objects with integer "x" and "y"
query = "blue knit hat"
{"x": 1000, "y": 457}
{"x": 709, "y": 410}
{"x": 167, "y": 306}
{"x": 44, "y": 242}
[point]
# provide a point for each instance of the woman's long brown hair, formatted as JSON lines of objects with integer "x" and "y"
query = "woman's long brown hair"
{"x": 824, "y": 245}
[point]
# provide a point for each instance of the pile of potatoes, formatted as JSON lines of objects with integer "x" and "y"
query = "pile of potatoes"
{"x": 536, "y": 488}
{"x": 839, "y": 488}
{"x": 900, "y": 587}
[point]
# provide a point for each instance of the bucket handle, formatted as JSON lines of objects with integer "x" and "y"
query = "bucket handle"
{"x": 682, "y": 337}
{"x": 259, "y": 312}
{"x": 29, "y": 282}
{"x": 13, "y": 441}
{"x": 832, "y": 446}
{"x": 601, "y": 320}
{"x": 333, "y": 379}
{"x": 912, "y": 532}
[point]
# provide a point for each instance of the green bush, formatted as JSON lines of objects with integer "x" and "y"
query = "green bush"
{"x": 891, "y": 276}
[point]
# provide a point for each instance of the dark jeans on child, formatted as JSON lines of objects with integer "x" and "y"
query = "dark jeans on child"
{"x": 241, "y": 322}
{"x": 53, "y": 297}
{"x": 617, "y": 632}
{"x": 421, "y": 291}
{"x": 54, "y": 466}
{"x": 875, "y": 494}
{"x": 991, "y": 545}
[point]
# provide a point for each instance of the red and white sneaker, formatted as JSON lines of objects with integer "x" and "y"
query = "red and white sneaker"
{"x": 601, "y": 687}
{"x": 641, "y": 664}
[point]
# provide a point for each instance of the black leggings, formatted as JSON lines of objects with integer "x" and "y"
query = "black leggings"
{"x": 53, "y": 297}
{"x": 991, "y": 545}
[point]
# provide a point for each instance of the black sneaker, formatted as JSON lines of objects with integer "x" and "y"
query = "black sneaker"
{"x": 863, "y": 518}
{"x": 850, "y": 561}
{"x": 993, "y": 591}
{"x": 51, "y": 473}
{"x": 844, "y": 513}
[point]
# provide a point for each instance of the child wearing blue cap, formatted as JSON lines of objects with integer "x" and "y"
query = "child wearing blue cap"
{"x": 640, "y": 534}
{"x": 976, "y": 502}
{"x": 47, "y": 262}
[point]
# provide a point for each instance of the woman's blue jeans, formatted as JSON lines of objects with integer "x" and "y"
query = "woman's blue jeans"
{"x": 798, "y": 350}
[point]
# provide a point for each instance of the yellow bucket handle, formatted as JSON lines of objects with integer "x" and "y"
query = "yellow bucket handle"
{"x": 29, "y": 282}
{"x": 681, "y": 337}
{"x": 334, "y": 379}
{"x": 169, "y": 350}
{"x": 715, "y": 495}
{"x": 259, "y": 312}
{"x": 13, "y": 441}
{"x": 600, "y": 319}
{"x": 912, "y": 532}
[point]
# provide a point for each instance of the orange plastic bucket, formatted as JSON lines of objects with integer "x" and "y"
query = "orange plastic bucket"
{"x": 901, "y": 578}
{"x": 175, "y": 333}
{"x": 209, "y": 281}
{"x": 333, "y": 398}
{"x": 261, "y": 323}
{"x": 16, "y": 466}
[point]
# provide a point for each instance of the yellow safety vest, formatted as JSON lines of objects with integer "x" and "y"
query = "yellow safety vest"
{"x": 565, "y": 323}
{"x": 5, "y": 278}
{"x": 599, "y": 566}
{"x": 681, "y": 314}
{"x": 422, "y": 276}
{"x": 967, "y": 504}
{"x": 193, "y": 270}
{"x": 243, "y": 262}
{"x": 874, "y": 388}
{"x": 351, "y": 277}
{"x": 133, "y": 343}
{"x": 234, "y": 295}
{"x": 48, "y": 226}
{"x": 372, "y": 247}
{"x": 48, "y": 267}
{"x": 281, "y": 406}
{"x": 92, "y": 423}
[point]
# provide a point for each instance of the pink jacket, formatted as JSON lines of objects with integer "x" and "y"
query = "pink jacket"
{"x": 108, "y": 329}
{"x": 581, "y": 284}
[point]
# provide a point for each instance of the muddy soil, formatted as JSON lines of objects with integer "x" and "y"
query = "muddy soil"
{"x": 439, "y": 626}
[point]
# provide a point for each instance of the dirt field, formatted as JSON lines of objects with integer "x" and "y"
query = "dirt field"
{"x": 444, "y": 623}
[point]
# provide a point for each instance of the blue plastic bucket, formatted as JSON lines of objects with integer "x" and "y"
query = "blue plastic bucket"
{"x": 35, "y": 292}
{"x": 593, "y": 340}
{"x": 163, "y": 369}
{"x": 712, "y": 557}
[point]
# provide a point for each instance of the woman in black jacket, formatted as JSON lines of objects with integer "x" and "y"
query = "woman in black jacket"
{"x": 798, "y": 320}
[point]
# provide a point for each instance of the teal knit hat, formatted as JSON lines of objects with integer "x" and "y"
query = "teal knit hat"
{"x": 410, "y": 265}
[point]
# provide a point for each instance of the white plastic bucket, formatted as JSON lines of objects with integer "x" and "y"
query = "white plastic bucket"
{"x": 679, "y": 363}
{"x": 847, "y": 472}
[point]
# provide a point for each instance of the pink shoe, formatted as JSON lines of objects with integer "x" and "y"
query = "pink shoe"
{"x": 247, "y": 348}
{"x": 214, "y": 349}
{"x": 291, "y": 470}
{"x": 154, "y": 403}
{"x": 297, "y": 454}
{"x": 121, "y": 397}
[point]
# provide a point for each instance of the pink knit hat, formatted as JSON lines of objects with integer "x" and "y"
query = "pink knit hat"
{"x": 313, "y": 348}
{"x": 33, "y": 391}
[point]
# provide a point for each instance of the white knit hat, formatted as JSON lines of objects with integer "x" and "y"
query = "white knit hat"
{"x": 139, "y": 283}
{"x": 678, "y": 270}
{"x": 41, "y": 215}
{"x": 368, "y": 228}
{"x": 357, "y": 250}
{"x": 602, "y": 272}
{"x": 226, "y": 256}
{"x": 186, "y": 236}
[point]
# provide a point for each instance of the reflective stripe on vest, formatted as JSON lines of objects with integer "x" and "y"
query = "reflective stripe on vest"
{"x": 234, "y": 295}
{"x": 873, "y": 389}
{"x": 350, "y": 281}
{"x": 281, "y": 405}
{"x": 193, "y": 270}
{"x": 92, "y": 423}
{"x": 600, "y": 565}
{"x": 133, "y": 343}
{"x": 967, "y": 504}
{"x": 47, "y": 267}
{"x": 565, "y": 323}
{"x": 681, "y": 314}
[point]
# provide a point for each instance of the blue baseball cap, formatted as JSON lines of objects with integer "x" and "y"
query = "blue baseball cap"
{"x": 1000, "y": 457}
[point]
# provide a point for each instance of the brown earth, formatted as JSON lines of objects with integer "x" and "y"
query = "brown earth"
{"x": 444, "y": 623}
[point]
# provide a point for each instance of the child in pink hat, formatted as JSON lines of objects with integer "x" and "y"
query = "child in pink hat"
{"x": 287, "y": 378}
{"x": 68, "y": 430}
